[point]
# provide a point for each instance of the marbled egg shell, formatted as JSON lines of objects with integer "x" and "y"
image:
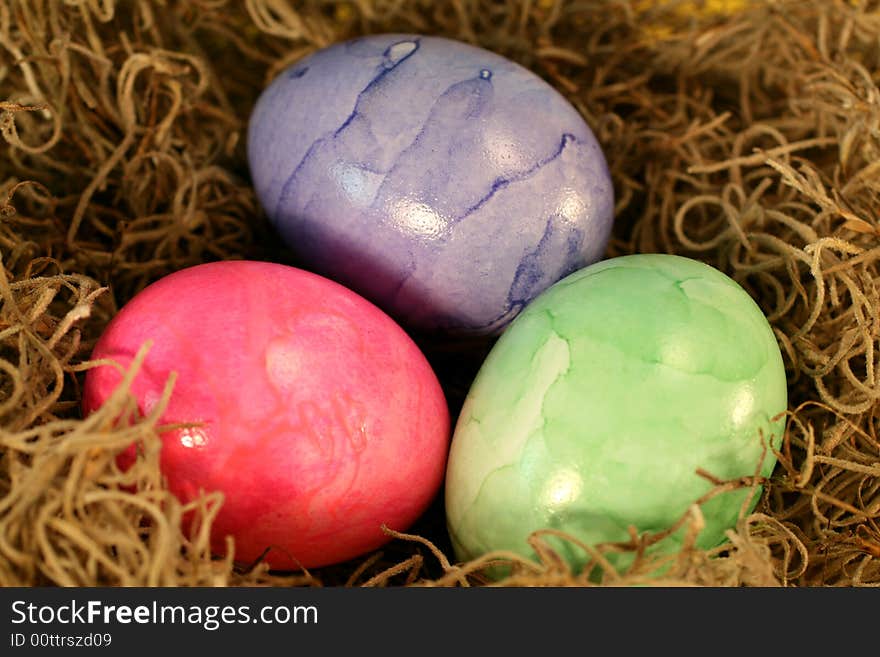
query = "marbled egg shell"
{"x": 318, "y": 417}
{"x": 598, "y": 404}
{"x": 444, "y": 182}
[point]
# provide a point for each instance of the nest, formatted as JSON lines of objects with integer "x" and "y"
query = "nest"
{"x": 744, "y": 134}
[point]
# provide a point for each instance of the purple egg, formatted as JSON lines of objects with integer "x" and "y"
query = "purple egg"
{"x": 442, "y": 181}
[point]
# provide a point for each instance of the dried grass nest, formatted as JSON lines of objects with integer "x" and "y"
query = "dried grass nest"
{"x": 745, "y": 134}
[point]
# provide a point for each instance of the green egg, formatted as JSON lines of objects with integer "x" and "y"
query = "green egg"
{"x": 602, "y": 399}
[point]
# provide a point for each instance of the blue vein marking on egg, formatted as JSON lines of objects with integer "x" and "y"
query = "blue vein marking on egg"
{"x": 527, "y": 279}
{"x": 455, "y": 112}
{"x": 297, "y": 73}
{"x": 395, "y": 55}
{"x": 501, "y": 183}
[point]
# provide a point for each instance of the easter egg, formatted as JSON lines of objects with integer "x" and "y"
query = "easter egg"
{"x": 312, "y": 411}
{"x": 446, "y": 183}
{"x": 597, "y": 406}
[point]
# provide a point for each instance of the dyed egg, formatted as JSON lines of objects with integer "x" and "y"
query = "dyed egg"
{"x": 598, "y": 404}
{"x": 444, "y": 182}
{"x": 319, "y": 419}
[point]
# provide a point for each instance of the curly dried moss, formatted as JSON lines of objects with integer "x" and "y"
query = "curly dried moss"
{"x": 745, "y": 134}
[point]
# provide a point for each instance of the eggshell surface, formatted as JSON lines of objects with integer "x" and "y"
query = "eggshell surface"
{"x": 319, "y": 418}
{"x": 599, "y": 403}
{"x": 442, "y": 181}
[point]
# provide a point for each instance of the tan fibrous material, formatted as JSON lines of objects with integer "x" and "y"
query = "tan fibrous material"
{"x": 747, "y": 137}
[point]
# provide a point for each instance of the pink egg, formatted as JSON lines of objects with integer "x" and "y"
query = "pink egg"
{"x": 320, "y": 419}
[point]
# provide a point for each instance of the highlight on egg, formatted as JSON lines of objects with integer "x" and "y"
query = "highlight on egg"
{"x": 598, "y": 405}
{"x": 442, "y": 181}
{"x": 312, "y": 411}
